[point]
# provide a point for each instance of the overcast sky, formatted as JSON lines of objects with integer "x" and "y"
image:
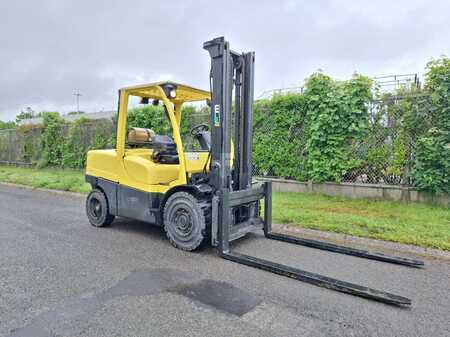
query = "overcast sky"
{"x": 50, "y": 48}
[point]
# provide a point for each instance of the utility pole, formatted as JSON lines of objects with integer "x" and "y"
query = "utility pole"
{"x": 77, "y": 95}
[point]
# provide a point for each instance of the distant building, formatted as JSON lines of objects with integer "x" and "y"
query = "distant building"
{"x": 71, "y": 118}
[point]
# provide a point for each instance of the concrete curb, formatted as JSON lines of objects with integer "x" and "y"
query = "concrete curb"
{"x": 361, "y": 242}
{"x": 305, "y": 232}
{"x": 359, "y": 191}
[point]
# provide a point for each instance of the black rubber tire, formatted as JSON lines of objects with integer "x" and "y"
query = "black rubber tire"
{"x": 185, "y": 221}
{"x": 97, "y": 209}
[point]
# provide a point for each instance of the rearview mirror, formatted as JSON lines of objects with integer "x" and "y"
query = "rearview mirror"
{"x": 144, "y": 100}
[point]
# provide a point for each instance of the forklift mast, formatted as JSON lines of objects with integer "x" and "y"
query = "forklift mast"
{"x": 230, "y": 72}
{"x": 236, "y": 200}
{"x": 236, "y": 204}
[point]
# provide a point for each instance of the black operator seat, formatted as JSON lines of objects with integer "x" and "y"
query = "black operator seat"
{"x": 164, "y": 148}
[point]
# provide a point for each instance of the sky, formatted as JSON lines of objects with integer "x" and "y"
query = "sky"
{"x": 49, "y": 49}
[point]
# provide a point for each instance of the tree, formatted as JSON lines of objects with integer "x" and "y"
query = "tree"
{"x": 28, "y": 113}
{"x": 52, "y": 140}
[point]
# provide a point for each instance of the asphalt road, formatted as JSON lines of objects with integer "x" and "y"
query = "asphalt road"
{"x": 59, "y": 276}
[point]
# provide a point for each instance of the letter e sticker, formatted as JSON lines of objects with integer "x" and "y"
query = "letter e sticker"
{"x": 216, "y": 120}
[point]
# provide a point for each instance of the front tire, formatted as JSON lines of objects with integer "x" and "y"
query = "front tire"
{"x": 184, "y": 221}
{"x": 97, "y": 209}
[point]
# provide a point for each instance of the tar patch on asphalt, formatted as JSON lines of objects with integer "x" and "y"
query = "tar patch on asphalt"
{"x": 220, "y": 295}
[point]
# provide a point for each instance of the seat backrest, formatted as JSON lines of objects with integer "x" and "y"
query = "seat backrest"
{"x": 140, "y": 136}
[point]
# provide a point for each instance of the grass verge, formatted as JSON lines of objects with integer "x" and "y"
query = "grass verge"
{"x": 418, "y": 224}
{"x": 56, "y": 179}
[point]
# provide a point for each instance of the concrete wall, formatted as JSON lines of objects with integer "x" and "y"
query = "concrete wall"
{"x": 358, "y": 191}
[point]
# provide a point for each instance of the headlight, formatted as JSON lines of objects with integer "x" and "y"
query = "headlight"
{"x": 170, "y": 89}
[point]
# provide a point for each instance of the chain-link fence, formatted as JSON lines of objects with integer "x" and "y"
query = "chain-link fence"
{"x": 383, "y": 155}
{"x": 19, "y": 146}
{"x": 24, "y": 145}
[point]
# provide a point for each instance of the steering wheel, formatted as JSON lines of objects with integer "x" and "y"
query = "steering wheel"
{"x": 199, "y": 129}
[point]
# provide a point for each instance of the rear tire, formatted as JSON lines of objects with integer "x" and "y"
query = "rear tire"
{"x": 97, "y": 209}
{"x": 185, "y": 221}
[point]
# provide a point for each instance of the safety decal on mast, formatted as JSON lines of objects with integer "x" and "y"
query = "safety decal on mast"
{"x": 216, "y": 115}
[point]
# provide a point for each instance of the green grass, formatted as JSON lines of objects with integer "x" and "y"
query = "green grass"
{"x": 56, "y": 179}
{"x": 418, "y": 224}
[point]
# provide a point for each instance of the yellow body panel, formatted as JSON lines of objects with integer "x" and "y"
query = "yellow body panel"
{"x": 138, "y": 170}
{"x": 103, "y": 164}
{"x": 145, "y": 171}
{"x": 195, "y": 162}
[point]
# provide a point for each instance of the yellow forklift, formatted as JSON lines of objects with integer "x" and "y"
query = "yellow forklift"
{"x": 205, "y": 196}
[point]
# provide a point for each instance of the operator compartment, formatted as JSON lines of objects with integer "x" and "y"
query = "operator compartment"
{"x": 150, "y": 158}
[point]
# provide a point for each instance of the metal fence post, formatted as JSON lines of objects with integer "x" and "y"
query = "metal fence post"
{"x": 10, "y": 147}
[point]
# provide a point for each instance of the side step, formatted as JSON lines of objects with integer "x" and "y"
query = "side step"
{"x": 318, "y": 280}
{"x": 345, "y": 250}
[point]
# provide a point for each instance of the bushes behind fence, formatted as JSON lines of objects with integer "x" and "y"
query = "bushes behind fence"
{"x": 346, "y": 131}
{"x": 56, "y": 142}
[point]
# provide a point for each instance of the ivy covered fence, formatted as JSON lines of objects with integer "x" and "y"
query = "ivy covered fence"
{"x": 347, "y": 131}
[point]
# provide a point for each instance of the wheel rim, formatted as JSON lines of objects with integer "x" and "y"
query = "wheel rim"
{"x": 182, "y": 222}
{"x": 96, "y": 208}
